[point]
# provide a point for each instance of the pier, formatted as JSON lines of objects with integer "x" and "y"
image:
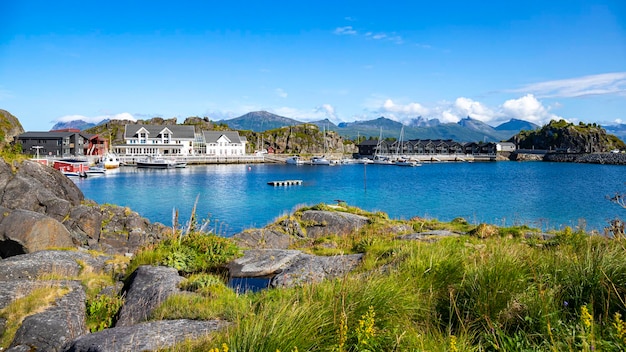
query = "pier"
{"x": 285, "y": 183}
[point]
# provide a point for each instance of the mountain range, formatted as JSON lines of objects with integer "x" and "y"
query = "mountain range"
{"x": 466, "y": 130}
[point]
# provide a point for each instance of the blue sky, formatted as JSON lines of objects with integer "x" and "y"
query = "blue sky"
{"x": 342, "y": 60}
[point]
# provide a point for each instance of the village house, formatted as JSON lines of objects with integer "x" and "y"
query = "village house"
{"x": 142, "y": 140}
{"x": 62, "y": 143}
{"x": 224, "y": 143}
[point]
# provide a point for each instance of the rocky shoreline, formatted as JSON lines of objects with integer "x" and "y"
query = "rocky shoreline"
{"x": 587, "y": 158}
{"x": 42, "y": 210}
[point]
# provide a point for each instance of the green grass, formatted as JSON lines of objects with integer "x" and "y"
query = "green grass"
{"x": 488, "y": 289}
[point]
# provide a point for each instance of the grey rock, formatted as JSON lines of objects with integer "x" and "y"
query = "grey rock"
{"x": 309, "y": 269}
{"x": 147, "y": 336}
{"x": 262, "y": 238}
{"x": 57, "y": 325}
{"x": 322, "y": 223}
{"x": 38, "y": 188}
{"x": 293, "y": 228}
{"x": 19, "y": 348}
{"x": 25, "y": 231}
{"x": 61, "y": 263}
{"x": 428, "y": 235}
{"x": 261, "y": 262}
{"x": 12, "y": 290}
{"x": 146, "y": 289}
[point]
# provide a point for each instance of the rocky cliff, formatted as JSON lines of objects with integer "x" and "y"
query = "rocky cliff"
{"x": 568, "y": 137}
{"x": 42, "y": 208}
{"x": 10, "y": 127}
{"x": 300, "y": 139}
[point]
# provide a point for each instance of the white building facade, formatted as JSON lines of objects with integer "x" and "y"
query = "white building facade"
{"x": 224, "y": 143}
{"x": 179, "y": 140}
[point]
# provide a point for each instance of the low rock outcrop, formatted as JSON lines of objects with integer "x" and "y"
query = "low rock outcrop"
{"x": 147, "y": 287}
{"x": 21, "y": 232}
{"x": 262, "y": 239}
{"x": 49, "y": 263}
{"x": 319, "y": 223}
{"x": 308, "y": 269}
{"x": 289, "y": 268}
{"x": 147, "y": 336}
{"x": 51, "y": 329}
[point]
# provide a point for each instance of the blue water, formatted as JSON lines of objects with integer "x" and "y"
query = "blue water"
{"x": 235, "y": 197}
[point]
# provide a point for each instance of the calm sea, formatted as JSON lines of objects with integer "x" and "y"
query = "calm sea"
{"x": 235, "y": 197}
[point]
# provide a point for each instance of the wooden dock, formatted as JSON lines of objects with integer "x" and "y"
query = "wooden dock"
{"x": 285, "y": 183}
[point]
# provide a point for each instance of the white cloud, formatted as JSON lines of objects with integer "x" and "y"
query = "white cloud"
{"x": 399, "y": 112}
{"x": 96, "y": 119}
{"x": 528, "y": 108}
{"x": 347, "y": 30}
{"x": 474, "y": 109}
{"x": 281, "y": 93}
{"x": 524, "y": 108}
{"x": 601, "y": 84}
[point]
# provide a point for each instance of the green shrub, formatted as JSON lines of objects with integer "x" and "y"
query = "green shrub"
{"x": 101, "y": 311}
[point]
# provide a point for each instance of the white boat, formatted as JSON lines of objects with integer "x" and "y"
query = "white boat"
{"x": 294, "y": 160}
{"x": 381, "y": 160}
{"x": 95, "y": 171}
{"x": 158, "y": 162}
{"x": 406, "y": 162}
{"x": 319, "y": 160}
{"x": 110, "y": 161}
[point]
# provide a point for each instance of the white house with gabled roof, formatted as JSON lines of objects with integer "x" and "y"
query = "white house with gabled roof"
{"x": 157, "y": 139}
{"x": 224, "y": 143}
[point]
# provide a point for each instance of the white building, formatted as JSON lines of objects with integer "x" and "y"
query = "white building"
{"x": 224, "y": 143}
{"x": 157, "y": 139}
{"x": 505, "y": 147}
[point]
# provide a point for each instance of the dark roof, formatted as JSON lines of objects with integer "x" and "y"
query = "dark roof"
{"x": 47, "y": 135}
{"x": 367, "y": 142}
{"x": 178, "y": 131}
{"x": 213, "y": 136}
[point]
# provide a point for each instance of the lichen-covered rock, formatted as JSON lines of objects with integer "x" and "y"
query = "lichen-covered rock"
{"x": 484, "y": 231}
{"x": 147, "y": 336}
{"x": 261, "y": 262}
{"x": 59, "y": 263}
{"x": 38, "y": 188}
{"x": 428, "y": 235}
{"x": 24, "y": 231}
{"x": 309, "y": 269}
{"x": 146, "y": 289}
{"x": 262, "y": 239}
{"x": 57, "y": 325}
{"x": 320, "y": 223}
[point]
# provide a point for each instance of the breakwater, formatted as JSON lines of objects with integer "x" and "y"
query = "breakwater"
{"x": 588, "y": 158}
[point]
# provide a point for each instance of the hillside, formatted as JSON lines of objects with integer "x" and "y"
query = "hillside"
{"x": 10, "y": 127}
{"x": 564, "y": 136}
{"x": 259, "y": 121}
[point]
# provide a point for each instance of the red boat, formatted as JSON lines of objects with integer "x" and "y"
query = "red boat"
{"x": 71, "y": 168}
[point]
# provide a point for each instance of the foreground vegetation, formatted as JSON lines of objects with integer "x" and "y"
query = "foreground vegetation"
{"x": 492, "y": 289}
{"x": 488, "y": 289}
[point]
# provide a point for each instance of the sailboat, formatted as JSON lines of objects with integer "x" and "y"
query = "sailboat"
{"x": 402, "y": 160}
{"x": 321, "y": 160}
{"x": 380, "y": 159}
